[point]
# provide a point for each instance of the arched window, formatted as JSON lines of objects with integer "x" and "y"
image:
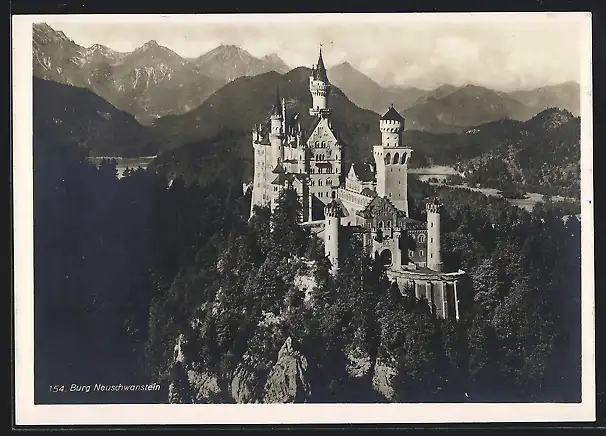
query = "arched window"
{"x": 317, "y": 157}
{"x": 410, "y": 253}
{"x": 380, "y": 224}
{"x": 311, "y": 183}
{"x": 403, "y": 161}
{"x": 320, "y": 182}
{"x": 420, "y": 252}
{"x": 317, "y": 144}
{"x": 421, "y": 238}
{"x": 396, "y": 158}
{"x": 328, "y": 182}
{"x": 388, "y": 158}
{"x": 388, "y": 223}
{"x": 323, "y": 144}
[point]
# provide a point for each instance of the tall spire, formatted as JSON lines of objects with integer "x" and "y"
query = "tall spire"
{"x": 320, "y": 73}
{"x": 277, "y": 108}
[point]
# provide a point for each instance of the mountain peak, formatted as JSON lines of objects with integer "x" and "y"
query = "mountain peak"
{"x": 552, "y": 117}
{"x": 49, "y": 33}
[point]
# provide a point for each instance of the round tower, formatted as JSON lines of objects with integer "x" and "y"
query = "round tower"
{"x": 434, "y": 255}
{"x": 332, "y": 214}
{"x": 319, "y": 87}
{"x": 391, "y": 126}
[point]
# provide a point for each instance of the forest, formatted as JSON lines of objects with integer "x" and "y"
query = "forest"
{"x": 128, "y": 270}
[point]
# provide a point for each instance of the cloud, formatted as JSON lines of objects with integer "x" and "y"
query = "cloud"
{"x": 369, "y": 65}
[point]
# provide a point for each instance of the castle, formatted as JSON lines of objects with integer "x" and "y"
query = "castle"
{"x": 372, "y": 200}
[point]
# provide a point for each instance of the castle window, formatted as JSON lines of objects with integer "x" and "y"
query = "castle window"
{"x": 420, "y": 252}
{"x": 328, "y": 182}
{"x": 320, "y": 194}
{"x": 380, "y": 224}
{"x": 388, "y": 223}
{"x": 403, "y": 158}
{"x": 410, "y": 253}
{"x": 421, "y": 238}
{"x": 311, "y": 183}
{"x": 431, "y": 239}
{"x": 388, "y": 158}
{"x": 320, "y": 182}
{"x": 317, "y": 143}
{"x": 431, "y": 256}
{"x": 323, "y": 144}
{"x": 396, "y": 158}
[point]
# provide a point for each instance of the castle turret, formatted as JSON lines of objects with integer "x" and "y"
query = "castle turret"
{"x": 319, "y": 87}
{"x": 332, "y": 214}
{"x": 391, "y": 160}
{"x": 434, "y": 256}
{"x": 391, "y": 126}
{"x": 276, "y": 133}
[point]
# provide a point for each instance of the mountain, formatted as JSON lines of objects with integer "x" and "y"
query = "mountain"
{"x": 238, "y": 106}
{"x": 368, "y": 94}
{"x": 439, "y": 92}
{"x": 566, "y": 96}
{"x": 79, "y": 118}
{"x": 467, "y": 106}
{"x": 228, "y": 62}
{"x": 275, "y": 63}
{"x": 541, "y": 154}
{"x": 149, "y": 82}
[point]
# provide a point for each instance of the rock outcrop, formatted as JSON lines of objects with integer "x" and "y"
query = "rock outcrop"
{"x": 287, "y": 381}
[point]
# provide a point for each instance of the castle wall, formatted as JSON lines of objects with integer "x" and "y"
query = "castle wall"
{"x": 392, "y": 174}
{"x": 324, "y": 162}
{"x": 440, "y": 291}
{"x": 260, "y": 194}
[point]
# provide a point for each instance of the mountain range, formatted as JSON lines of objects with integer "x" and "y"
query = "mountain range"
{"x": 153, "y": 81}
{"x": 450, "y": 108}
{"x": 149, "y": 82}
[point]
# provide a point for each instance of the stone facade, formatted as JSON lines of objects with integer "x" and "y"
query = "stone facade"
{"x": 372, "y": 200}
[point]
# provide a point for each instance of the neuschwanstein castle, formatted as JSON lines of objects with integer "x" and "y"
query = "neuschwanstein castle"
{"x": 370, "y": 199}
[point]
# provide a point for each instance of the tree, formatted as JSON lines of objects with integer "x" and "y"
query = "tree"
{"x": 288, "y": 237}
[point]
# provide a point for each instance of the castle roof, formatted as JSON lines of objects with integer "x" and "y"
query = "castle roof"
{"x": 284, "y": 178}
{"x": 392, "y": 115}
{"x": 278, "y": 169}
{"x": 335, "y": 208}
{"x": 277, "y": 107}
{"x": 364, "y": 172}
{"x": 381, "y": 206}
{"x": 369, "y": 192}
{"x": 320, "y": 70}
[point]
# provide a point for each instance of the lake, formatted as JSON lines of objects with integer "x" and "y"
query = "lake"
{"x": 124, "y": 162}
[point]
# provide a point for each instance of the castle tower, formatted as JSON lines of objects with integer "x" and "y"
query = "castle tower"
{"x": 332, "y": 214}
{"x": 434, "y": 256}
{"x": 276, "y": 133}
{"x": 319, "y": 87}
{"x": 391, "y": 160}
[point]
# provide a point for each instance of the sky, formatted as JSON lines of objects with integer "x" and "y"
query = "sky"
{"x": 426, "y": 52}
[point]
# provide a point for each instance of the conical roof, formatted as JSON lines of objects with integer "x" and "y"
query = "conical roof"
{"x": 320, "y": 71}
{"x": 392, "y": 115}
{"x": 277, "y": 107}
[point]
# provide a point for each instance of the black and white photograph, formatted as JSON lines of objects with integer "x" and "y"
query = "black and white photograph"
{"x": 303, "y": 218}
